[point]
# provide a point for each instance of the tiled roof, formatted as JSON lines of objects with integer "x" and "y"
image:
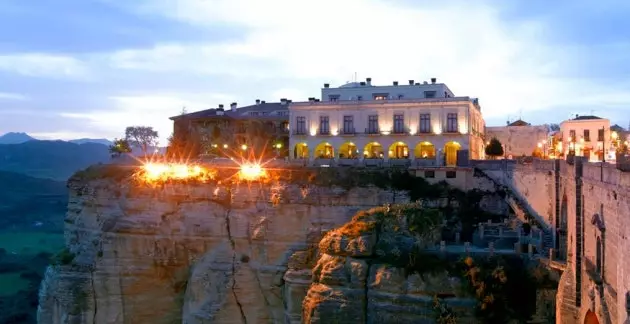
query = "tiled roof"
{"x": 519, "y": 122}
{"x": 242, "y": 112}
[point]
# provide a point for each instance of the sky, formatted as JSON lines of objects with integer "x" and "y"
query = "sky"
{"x": 89, "y": 68}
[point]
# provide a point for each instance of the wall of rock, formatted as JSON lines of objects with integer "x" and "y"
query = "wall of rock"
{"x": 189, "y": 253}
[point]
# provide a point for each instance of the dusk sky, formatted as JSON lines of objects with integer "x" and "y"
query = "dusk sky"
{"x": 89, "y": 68}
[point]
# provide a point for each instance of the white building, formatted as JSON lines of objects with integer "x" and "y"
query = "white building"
{"x": 358, "y": 121}
{"x": 520, "y": 138}
{"x": 587, "y": 136}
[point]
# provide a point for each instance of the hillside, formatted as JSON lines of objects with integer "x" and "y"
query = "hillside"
{"x": 56, "y": 160}
{"x": 15, "y": 138}
{"x": 26, "y": 201}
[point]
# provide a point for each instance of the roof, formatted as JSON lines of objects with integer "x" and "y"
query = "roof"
{"x": 617, "y": 128}
{"x": 586, "y": 117}
{"x": 242, "y": 112}
{"x": 519, "y": 122}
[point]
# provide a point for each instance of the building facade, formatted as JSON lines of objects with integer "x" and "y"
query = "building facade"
{"x": 587, "y": 136}
{"x": 375, "y": 123}
{"x": 262, "y": 128}
{"x": 520, "y": 138}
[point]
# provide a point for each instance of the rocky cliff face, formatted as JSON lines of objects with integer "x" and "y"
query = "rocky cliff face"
{"x": 192, "y": 253}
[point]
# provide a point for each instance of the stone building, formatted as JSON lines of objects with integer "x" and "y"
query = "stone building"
{"x": 520, "y": 138}
{"x": 259, "y": 127}
{"x": 358, "y": 121}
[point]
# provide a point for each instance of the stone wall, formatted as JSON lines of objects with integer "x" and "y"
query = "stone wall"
{"x": 590, "y": 201}
{"x": 518, "y": 140}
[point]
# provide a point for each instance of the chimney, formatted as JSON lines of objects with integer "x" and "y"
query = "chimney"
{"x": 425, "y": 82}
{"x": 417, "y": 83}
{"x": 283, "y": 101}
{"x": 311, "y": 99}
{"x": 410, "y": 82}
{"x": 258, "y": 101}
{"x": 396, "y": 83}
{"x": 262, "y": 102}
{"x": 326, "y": 85}
{"x": 233, "y": 106}
{"x": 289, "y": 101}
{"x": 433, "y": 80}
{"x": 221, "y": 106}
{"x": 362, "y": 83}
{"x": 368, "y": 81}
{"x": 316, "y": 100}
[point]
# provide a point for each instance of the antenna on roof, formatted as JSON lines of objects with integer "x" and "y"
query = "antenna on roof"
{"x": 592, "y": 112}
{"x": 355, "y": 77}
{"x": 520, "y": 114}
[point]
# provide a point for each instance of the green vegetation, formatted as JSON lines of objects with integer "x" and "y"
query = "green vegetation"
{"x": 120, "y": 146}
{"x": 64, "y": 257}
{"x": 494, "y": 148}
{"x": 20, "y": 277}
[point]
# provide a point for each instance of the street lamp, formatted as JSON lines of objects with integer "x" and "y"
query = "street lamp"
{"x": 243, "y": 147}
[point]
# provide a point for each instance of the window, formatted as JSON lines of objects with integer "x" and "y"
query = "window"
{"x": 451, "y": 123}
{"x": 587, "y": 135}
{"x": 451, "y": 174}
{"x": 372, "y": 124}
{"x": 264, "y": 113}
{"x": 429, "y": 174}
{"x": 333, "y": 97}
{"x": 300, "y": 125}
{"x": 600, "y": 135}
{"x": 425, "y": 123}
{"x": 284, "y": 126}
{"x": 572, "y": 135}
{"x": 324, "y": 125}
{"x": 348, "y": 125}
{"x": 359, "y": 98}
{"x": 282, "y": 113}
{"x": 253, "y": 113}
{"x": 399, "y": 123}
{"x": 400, "y": 96}
{"x": 429, "y": 94}
{"x": 380, "y": 96}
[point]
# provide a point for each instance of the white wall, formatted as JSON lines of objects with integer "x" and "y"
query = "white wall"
{"x": 350, "y": 92}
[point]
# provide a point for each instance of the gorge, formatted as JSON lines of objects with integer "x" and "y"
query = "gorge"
{"x": 313, "y": 246}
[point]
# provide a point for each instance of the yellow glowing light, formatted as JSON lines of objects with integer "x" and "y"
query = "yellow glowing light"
{"x": 251, "y": 172}
{"x": 153, "y": 172}
{"x": 279, "y": 145}
{"x": 539, "y": 145}
{"x": 214, "y": 145}
{"x": 243, "y": 147}
{"x": 614, "y": 135}
{"x": 225, "y": 146}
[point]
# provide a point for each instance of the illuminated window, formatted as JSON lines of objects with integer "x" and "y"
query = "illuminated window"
{"x": 380, "y": 96}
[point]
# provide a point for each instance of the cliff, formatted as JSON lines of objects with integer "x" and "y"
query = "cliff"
{"x": 301, "y": 246}
{"x": 191, "y": 253}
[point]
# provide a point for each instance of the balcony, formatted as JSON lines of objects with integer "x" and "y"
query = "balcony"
{"x": 373, "y": 131}
{"x": 299, "y": 132}
{"x": 349, "y": 131}
{"x": 324, "y": 132}
{"x": 400, "y": 131}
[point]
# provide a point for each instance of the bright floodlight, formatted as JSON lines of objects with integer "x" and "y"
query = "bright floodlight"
{"x": 251, "y": 172}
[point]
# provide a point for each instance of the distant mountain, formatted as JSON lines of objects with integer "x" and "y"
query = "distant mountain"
{"x": 56, "y": 160}
{"x": 103, "y": 141}
{"x": 15, "y": 138}
{"x": 27, "y": 201}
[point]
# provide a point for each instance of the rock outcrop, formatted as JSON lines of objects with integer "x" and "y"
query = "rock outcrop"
{"x": 368, "y": 271}
{"x": 191, "y": 253}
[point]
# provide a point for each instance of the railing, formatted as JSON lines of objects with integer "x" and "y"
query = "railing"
{"x": 347, "y": 131}
{"x": 324, "y": 132}
{"x": 372, "y": 131}
{"x": 299, "y": 132}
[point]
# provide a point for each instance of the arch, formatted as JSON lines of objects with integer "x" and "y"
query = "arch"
{"x": 373, "y": 150}
{"x": 398, "y": 150}
{"x": 424, "y": 150}
{"x": 348, "y": 150}
{"x": 300, "y": 151}
{"x": 450, "y": 152}
{"x": 324, "y": 151}
{"x": 590, "y": 318}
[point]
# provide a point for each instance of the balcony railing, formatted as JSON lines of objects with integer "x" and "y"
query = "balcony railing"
{"x": 347, "y": 131}
{"x": 324, "y": 132}
{"x": 299, "y": 132}
{"x": 372, "y": 131}
{"x": 399, "y": 130}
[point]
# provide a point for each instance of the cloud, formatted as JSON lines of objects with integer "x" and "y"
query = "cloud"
{"x": 44, "y": 66}
{"x": 12, "y": 96}
{"x": 146, "y": 111}
{"x": 469, "y": 47}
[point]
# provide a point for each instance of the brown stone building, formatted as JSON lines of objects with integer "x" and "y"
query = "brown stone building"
{"x": 262, "y": 128}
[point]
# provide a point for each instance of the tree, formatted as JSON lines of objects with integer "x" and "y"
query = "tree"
{"x": 494, "y": 148}
{"x": 183, "y": 145}
{"x": 119, "y": 147}
{"x": 554, "y": 127}
{"x": 141, "y": 136}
